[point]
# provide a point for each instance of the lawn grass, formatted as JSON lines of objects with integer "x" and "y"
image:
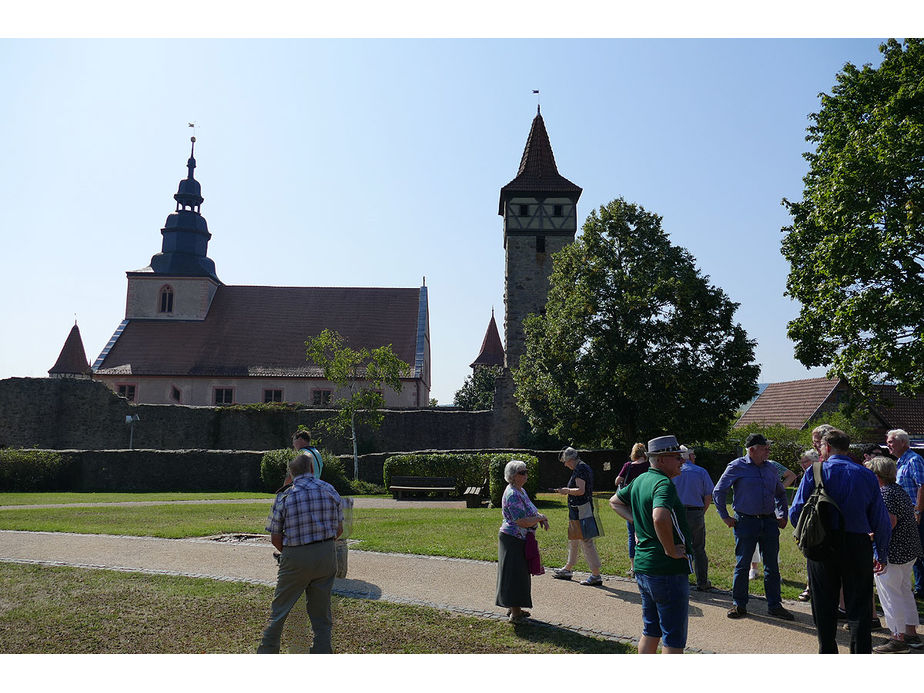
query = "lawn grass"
{"x": 73, "y": 610}
{"x": 28, "y": 498}
{"x": 460, "y": 533}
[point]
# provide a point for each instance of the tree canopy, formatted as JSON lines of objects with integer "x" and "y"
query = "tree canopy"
{"x": 477, "y": 392}
{"x": 634, "y": 343}
{"x": 856, "y": 242}
{"x": 363, "y": 373}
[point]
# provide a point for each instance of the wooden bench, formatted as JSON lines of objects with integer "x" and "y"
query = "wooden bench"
{"x": 401, "y": 485}
{"x": 474, "y": 495}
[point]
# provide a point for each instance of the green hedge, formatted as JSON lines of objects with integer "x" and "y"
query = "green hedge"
{"x": 496, "y": 464}
{"x": 468, "y": 470}
{"x": 273, "y": 469}
{"x": 31, "y": 470}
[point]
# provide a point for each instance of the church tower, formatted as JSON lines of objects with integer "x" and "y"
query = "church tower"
{"x": 180, "y": 282}
{"x": 539, "y": 208}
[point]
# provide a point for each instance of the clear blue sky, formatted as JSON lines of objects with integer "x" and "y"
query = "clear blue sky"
{"x": 378, "y": 162}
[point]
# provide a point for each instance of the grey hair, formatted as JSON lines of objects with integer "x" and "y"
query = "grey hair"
{"x": 899, "y": 434}
{"x": 513, "y": 466}
{"x": 822, "y": 429}
{"x": 883, "y": 467}
{"x": 568, "y": 453}
{"x": 811, "y": 454}
{"x": 301, "y": 464}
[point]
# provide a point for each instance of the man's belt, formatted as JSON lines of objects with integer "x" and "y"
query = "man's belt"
{"x": 758, "y": 517}
{"x": 693, "y": 507}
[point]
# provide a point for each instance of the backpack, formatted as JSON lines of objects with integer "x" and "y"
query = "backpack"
{"x": 813, "y": 533}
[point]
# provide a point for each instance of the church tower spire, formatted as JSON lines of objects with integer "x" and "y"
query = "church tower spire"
{"x": 184, "y": 251}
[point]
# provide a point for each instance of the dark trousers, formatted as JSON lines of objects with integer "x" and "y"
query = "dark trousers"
{"x": 751, "y": 532}
{"x": 918, "y": 569}
{"x": 696, "y": 521}
{"x": 852, "y": 569}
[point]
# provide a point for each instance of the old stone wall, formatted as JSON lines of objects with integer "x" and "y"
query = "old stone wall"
{"x": 61, "y": 413}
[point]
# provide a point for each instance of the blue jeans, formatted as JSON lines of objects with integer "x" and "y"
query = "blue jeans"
{"x": 749, "y": 533}
{"x": 630, "y": 526}
{"x": 665, "y": 607}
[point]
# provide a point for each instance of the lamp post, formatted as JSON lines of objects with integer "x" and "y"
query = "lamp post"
{"x": 130, "y": 420}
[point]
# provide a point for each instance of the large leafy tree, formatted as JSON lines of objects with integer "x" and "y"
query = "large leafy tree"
{"x": 361, "y": 374}
{"x": 856, "y": 243}
{"x": 634, "y": 342}
{"x": 477, "y": 392}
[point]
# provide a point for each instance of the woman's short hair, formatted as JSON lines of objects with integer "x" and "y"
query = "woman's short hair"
{"x": 568, "y": 454}
{"x": 638, "y": 451}
{"x": 513, "y": 466}
{"x": 883, "y": 467}
{"x": 811, "y": 454}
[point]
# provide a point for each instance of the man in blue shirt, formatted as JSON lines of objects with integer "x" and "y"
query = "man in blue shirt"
{"x": 856, "y": 491}
{"x": 910, "y": 477}
{"x": 760, "y": 513}
{"x": 694, "y": 487}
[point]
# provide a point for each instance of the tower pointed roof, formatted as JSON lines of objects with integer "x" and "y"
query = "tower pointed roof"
{"x": 73, "y": 359}
{"x": 184, "y": 251}
{"x": 538, "y": 172}
{"x": 492, "y": 350}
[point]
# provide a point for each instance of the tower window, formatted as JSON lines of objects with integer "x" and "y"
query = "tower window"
{"x": 540, "y": 244}
{"x": 524, "y": 210}
{"x": 556, "y": 211}
{"x": 166, "y": 300}
{"x": 272, "y": 396}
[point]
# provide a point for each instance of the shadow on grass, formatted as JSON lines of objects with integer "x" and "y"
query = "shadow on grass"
{"x": 540, "y": 632}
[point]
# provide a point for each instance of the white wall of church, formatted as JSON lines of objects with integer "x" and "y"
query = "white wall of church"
{"x": 192, "y": 297}
{"x": 202, "y": 391}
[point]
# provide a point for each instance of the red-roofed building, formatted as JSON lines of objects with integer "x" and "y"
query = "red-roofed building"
{"x": 188, "y": 338}
{"x": 799, "y": 404}
{"x": 492, "y": 351}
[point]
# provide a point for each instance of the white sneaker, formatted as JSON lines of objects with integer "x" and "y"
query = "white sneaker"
{"x": 752, "y": 574}
{"x": 562, "y": 574}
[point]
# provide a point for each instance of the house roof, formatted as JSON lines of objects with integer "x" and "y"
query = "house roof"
{"x": 538, "y": 172}
{"x": 261, "y": 330}
{"x": 906, "y": 413}
{"x": 791, "y": 403}
{"x": 492, "y": 351}
{"x": 73, "y": 358}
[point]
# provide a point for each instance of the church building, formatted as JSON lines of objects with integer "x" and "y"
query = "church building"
{"x": 188, "y": 338}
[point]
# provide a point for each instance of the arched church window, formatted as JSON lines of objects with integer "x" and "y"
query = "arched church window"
{"x": 166, "y": 300}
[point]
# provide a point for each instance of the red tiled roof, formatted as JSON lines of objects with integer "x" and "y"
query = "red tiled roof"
{"x": 791, "y": 403}
{"x": 261, "y": 330}
{"x": 906, "y": 412}
{"x": 492, "y": 351}
{"x": 73, "y": 358}
{"x": 538, "y": 172}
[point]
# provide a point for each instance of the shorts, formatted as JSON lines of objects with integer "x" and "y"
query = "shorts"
{"x": 665, "y": 607}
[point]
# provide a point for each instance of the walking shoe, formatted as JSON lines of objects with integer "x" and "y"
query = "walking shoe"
{"x": 914, "y": 641}
{"x": 841, "y": 614}
{"x": 752, "y": 574}
{"x": 892, "y": 647}
{"x": 737, "y": 612}
{"x": 523, "y": 612}
{"x": 704, "y": 588}
{"x": 562, "y": 574}
{"x": 781, "y": 612}
{"x": 630, "y": 573}
{"x": 806, "y": 595}
{"x": 593, "y": 580}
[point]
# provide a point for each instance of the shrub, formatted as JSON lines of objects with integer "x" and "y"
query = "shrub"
{"x": 366, "y": 488}
{"x": 273, "y": 468}
{"x": 31, "y": 470}
{"x": 468, "y": 470}
{"x": 496, "y": 464}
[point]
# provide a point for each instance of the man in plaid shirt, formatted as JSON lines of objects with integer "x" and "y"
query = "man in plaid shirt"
{"x": 304, "y": 521}
{"x": 910, "y": 467}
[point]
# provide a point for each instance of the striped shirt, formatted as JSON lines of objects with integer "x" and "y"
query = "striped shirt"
{"x": 309, "y": 510}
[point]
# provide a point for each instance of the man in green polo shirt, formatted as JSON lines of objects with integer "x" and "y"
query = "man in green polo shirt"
{"x": 662, "y": 567}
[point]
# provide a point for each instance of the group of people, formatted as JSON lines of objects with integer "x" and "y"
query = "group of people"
{"x": 875, "y": 534}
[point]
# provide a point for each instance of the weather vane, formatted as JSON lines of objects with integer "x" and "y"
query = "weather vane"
{"x": 538, "y": 106}
{"x": 193, "y": 126}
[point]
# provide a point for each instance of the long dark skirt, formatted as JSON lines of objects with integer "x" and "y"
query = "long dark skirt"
{"x": 513, "y": 586}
